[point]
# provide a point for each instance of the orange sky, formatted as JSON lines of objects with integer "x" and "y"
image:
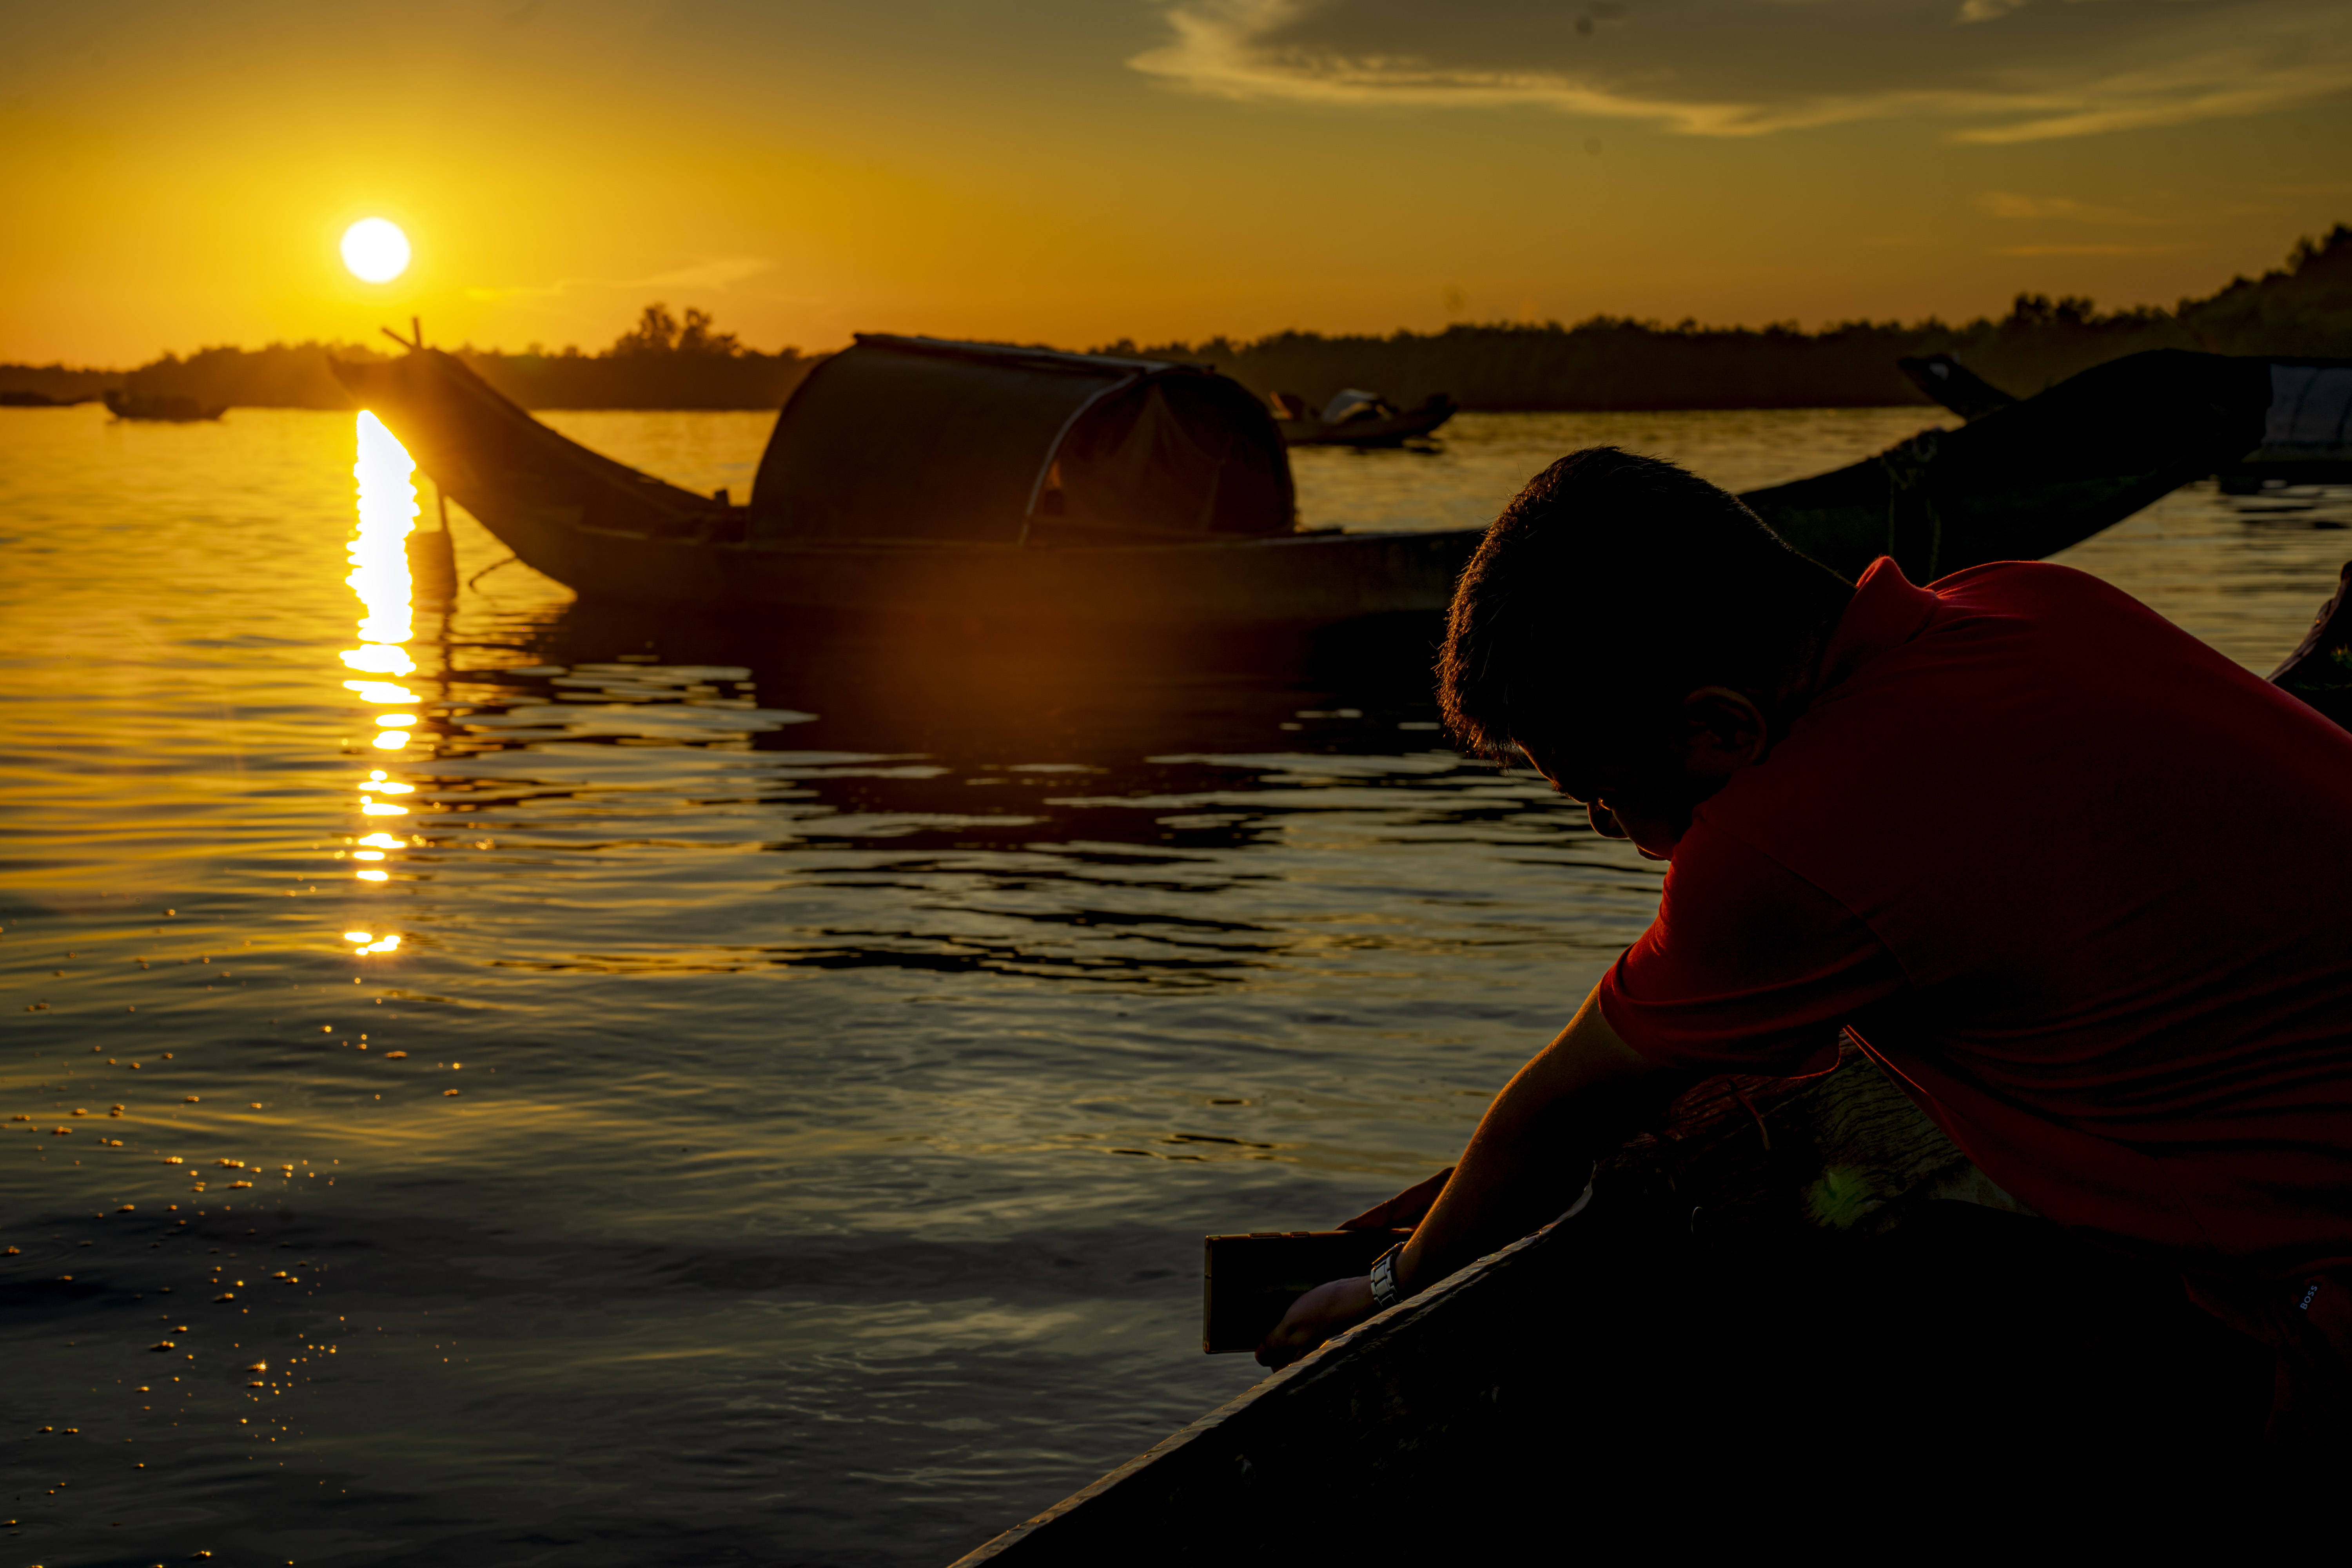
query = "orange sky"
{"x": 1077, "y": 171}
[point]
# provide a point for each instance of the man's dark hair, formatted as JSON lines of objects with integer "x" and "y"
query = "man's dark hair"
{"x": 1610, "y": 587}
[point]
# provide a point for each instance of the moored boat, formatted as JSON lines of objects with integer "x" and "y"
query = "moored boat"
{"x": 1356, "y": 418}
{"x": 916, "y": 477}
{"x": 919, "y": 478}
{"x": 2028, "y": 480}
{"x": 165, "y": 407}
{"x": 2306, "y": 436}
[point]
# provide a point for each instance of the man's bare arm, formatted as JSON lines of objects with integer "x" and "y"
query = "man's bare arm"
{"x": 1530, "y": 1157}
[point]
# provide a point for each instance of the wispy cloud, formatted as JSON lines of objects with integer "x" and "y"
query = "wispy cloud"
{"x": 1995, "y": 71}
{"x": 719, "y": 273}
{"x": 2085, "y": 250}
{"x": 1988, "y": 10}
{"x": 2066, "y": 209}
{"x": 715, "y": 273}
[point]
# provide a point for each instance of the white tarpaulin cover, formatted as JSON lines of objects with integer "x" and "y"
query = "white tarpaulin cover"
{"x": 2311, "y": 409}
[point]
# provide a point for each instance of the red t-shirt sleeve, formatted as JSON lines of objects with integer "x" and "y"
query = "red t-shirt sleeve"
{"x": 1747, "y": 967}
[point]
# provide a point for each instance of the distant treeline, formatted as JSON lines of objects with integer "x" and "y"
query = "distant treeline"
{"x": 661, "y": 362}
{"x": 1609, "y": 362}
{"x": 2303, "y": 307}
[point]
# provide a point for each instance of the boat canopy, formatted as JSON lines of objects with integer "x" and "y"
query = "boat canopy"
{"x": 1346, "y": 404}
{"x": 901, "y": 437}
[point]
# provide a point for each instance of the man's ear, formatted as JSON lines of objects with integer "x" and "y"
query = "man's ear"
{"x": 1723, "y": 731}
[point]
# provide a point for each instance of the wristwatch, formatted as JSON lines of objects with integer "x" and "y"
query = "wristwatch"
{"x": 1385, "y": 1293}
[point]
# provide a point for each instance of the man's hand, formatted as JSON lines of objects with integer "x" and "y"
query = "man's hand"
{"x": 1531, "y": 1153}
{"x": 1327, "y": 1310}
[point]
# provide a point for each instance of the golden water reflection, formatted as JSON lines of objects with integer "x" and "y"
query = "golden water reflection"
{"x": 388, "y": 511}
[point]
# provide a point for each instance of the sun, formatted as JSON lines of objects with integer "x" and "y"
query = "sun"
{"x": 375, "y": 250}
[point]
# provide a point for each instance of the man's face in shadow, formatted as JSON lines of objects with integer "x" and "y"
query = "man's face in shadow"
{"x": 1717, "y": 732}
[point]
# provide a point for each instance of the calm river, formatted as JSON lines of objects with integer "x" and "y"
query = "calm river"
{"x": 703, "y": 1098}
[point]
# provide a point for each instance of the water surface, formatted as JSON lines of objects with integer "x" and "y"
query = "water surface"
{"x": 749, "y": 1096}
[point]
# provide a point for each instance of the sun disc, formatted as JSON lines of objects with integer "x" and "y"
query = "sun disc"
{"x": 375, "y": 250}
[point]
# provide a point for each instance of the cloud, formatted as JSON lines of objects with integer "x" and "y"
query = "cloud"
{"x": 1993, "y": 70}
{"x": 1989, "y": 10}
{"x": 717, "y": 274}
{"x": 2009, "y": 205}
{"x": 2086, "y": 249}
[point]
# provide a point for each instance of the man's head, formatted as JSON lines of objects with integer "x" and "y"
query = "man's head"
{"x": 1638, "y": 633}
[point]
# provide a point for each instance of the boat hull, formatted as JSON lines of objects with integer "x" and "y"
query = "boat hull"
{"x": 160, "y": 409}
{"x": 1707, "y": 1312}
{"x": 1305, "y": 581}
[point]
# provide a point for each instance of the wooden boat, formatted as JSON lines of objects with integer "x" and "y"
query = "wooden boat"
{"x": 170, "y": 408}
{"x": 2306, "y": 436}
{"x": 918, "y": 477}
{"x": 1358, "y": 419}
{"x": 2028, "y": 480}
{"x": 1781, "y": 1274}
{"x": 915, "y": 477}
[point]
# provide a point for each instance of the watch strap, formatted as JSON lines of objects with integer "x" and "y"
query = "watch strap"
{"x": 1385, "y": 1293}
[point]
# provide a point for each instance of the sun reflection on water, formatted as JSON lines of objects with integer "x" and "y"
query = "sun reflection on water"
{"x": 382, "y": 692}
{"x": 388, "y": 512}
{"x": 379, "y": 575}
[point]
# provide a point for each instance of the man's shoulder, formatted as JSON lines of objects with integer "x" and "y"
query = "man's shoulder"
{"x": 2031, "y": 585}
{"x": 2025, "y": 637}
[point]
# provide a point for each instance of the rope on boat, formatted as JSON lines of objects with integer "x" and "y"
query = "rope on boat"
{"x": 1906, "y": 466}
{"x": 490, "y": 568}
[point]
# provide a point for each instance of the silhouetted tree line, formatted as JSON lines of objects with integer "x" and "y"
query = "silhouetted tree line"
{"x": 1607, "y": 362}
{"x": 1613, "y": 362}
{"x": 660, "y": 362}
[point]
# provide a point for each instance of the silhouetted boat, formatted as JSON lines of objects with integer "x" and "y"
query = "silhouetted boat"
{"x": 915, "y": 477}
{"x": 1356, "y": 418}
{"x": 38, "y": 400}
{"x": 2306, "y": 437}
{"x": 908, "y": 475}
{"x": 170, "y": 408}
{"x": 2033, "y": 478}
{"x": 1784, "y": 1266}
{"x": 1954, "y": 386}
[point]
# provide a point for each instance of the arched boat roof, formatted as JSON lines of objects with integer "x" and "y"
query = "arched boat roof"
{"x": 913, "y": 438}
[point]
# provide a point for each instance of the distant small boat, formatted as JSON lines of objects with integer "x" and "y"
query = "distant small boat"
{"x": 1357, "y": 418}
{"x": 2306, "y": 435}
{"x": 168, "y": 407}
{"x": 37, "y": 400}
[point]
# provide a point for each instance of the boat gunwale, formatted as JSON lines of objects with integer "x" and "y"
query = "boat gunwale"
{"x": 1338, "y": 1356}
{"x": 971, "y": 547}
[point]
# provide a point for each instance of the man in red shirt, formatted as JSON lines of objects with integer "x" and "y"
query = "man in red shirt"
{"x": 2075, "y": 880}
